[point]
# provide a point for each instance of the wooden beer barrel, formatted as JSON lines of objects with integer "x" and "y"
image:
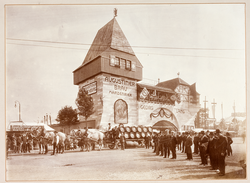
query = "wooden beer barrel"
{"x": 144, "y": 129}
{"x": 150, "y": 129}
{"x": 139, "y": 129}
{"x": 122, "y": 129}
{"x": 127, "y": 128}
{"x": 149, "y": 134}
{"x": 138, "y": 135}
{"x": 133, "y": 129}
{"x": 143, "y": 134}
{"x": 132, "y": 135}
{"x": 126, "y": 135}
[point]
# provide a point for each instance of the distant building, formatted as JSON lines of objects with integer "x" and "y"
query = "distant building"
{"x": 111, "y": 73}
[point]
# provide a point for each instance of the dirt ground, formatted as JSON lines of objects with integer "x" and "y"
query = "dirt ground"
{"x": 134, "y": 163}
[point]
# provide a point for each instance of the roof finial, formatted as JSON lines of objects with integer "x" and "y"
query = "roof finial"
{"x": 115, "y": 12}
{"x": 178, "y": 74}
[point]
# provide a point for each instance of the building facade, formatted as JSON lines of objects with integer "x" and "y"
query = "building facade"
{"x": 111, "y": 73}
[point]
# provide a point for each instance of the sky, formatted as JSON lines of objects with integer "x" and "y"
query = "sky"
{"x": 205, "y": 43}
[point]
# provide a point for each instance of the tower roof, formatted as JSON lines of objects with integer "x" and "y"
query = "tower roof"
{"x": 109, "y": 36}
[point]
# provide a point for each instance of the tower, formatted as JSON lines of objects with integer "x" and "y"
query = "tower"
{"x": 109, "y": 73}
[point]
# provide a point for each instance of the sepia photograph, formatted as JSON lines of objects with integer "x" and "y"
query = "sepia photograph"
{"x": 125, "y": 92}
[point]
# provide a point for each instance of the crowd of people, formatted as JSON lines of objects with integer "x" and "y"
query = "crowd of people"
{"x": 20, "y": 143}
{"x": 208, "y": 145}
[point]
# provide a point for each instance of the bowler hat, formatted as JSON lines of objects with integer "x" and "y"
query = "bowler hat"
{"x": 202, "y": 132}
{"x": 217, "y": 131}
{"x": 211, "y": 133}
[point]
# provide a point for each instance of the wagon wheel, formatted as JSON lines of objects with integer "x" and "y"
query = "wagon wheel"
{"x": 111, "y": 146}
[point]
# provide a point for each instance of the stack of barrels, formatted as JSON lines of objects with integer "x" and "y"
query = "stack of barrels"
{"x": 133, "y": 132}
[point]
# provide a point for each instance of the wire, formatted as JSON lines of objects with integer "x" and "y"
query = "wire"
{"x": 136, "y": 53}
{"x": 120, "y": 46}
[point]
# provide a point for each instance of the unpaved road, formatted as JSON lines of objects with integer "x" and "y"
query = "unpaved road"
{"x": 131, "y": 164}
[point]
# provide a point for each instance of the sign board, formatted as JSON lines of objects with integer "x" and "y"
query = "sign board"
{"x": 91, "y": 88}
{"x": 25, "y": 128}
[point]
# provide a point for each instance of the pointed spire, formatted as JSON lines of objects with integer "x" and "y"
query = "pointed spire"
{"x": 109, "y": 36}
{"x": 115, "y": 12}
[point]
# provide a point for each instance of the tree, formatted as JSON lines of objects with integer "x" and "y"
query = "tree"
{"x": 84, "y": 103}
{"x": 67, "y": 116}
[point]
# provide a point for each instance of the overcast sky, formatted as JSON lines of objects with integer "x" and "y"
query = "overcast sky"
{"x": 205, "y": 43}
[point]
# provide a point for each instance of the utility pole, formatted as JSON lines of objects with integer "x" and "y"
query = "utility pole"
{"x": 213, "y": 108}
{"x": 205, "y": 101}
{"x": 19, "y": 111}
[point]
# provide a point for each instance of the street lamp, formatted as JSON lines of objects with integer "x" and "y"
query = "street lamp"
{"x": 19, "y": 109}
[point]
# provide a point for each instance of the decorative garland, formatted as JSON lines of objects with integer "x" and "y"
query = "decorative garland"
{"x": 162, "y": 112}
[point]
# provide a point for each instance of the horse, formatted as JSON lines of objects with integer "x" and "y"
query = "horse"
{"x": 94, "y": 137}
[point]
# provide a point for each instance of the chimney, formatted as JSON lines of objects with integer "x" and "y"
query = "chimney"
{"x": 158, "y": 80}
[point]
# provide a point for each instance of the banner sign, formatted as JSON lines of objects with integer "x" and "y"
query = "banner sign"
{"x": 91, "y": 88}
{"x": 24, "y": 128}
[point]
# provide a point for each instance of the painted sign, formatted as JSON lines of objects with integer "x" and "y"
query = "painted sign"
{"x": 91, "y": 88}
{"x": 24, "y": 128}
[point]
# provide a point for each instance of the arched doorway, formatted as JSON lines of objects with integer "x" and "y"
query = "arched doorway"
{"x": 164, "y": 125}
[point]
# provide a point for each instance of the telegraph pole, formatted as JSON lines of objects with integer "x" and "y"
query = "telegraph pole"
{"x": 19, "y": 111}
{"x": 213, "y": 103}
{"x": 205, "y": 101}
{"x": 213, "y": 107}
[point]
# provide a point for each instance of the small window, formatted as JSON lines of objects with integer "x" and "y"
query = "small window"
{"x": 128, "y": 64}
{"x": 117, "y": 62}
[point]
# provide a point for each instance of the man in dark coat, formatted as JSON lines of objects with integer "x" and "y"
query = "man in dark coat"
{"x": 189, "y": 143}
{"x": 179, "y": 140}
{"x": 146, "y": 139}
{"x": 173, "y": 145}
{"x": 161, "y": 145}
{"x": 196, "y": 143}
{"x": 122, "y": 141}
{"x": 203, "y": 148}
{"x": 229, "y": 142}
{"x": 211, "y": 150}
{"x": 155, "y": 141}
{"x": 166, "y": 145}
{"x": 184, "y": 137}
{"x": 221, "y": 148}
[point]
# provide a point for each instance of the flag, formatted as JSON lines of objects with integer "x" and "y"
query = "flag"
{"x": 144, "y": 93}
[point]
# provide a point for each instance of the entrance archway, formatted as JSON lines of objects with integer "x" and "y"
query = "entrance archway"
{"x": 163, "y": 125}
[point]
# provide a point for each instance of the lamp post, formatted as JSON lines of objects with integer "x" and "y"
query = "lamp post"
{"x": 19, "y": 111}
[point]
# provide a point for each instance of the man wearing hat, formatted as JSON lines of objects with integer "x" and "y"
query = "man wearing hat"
{"x": 173, "y": 142}
{"x": 213, "y": 155}
{"x": 229, "y": 142}
{"x": 55, "y": 142}
{"x": 203, "y": 148}
{"x": 221, "y": 148}
{"x": 122, "y": 141}
{"x": 196, "y": 143}
{"x": 189, "y": 143}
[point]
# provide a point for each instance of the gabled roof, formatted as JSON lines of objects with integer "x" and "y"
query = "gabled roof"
{"x": 155, "y": 88}
{"x": 173, "y": 83}
{"x": 109, "y": 36}
{"x": 193, "y": 89}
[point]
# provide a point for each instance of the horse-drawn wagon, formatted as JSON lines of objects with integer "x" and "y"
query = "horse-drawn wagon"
{"x": 131, "y": 133}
